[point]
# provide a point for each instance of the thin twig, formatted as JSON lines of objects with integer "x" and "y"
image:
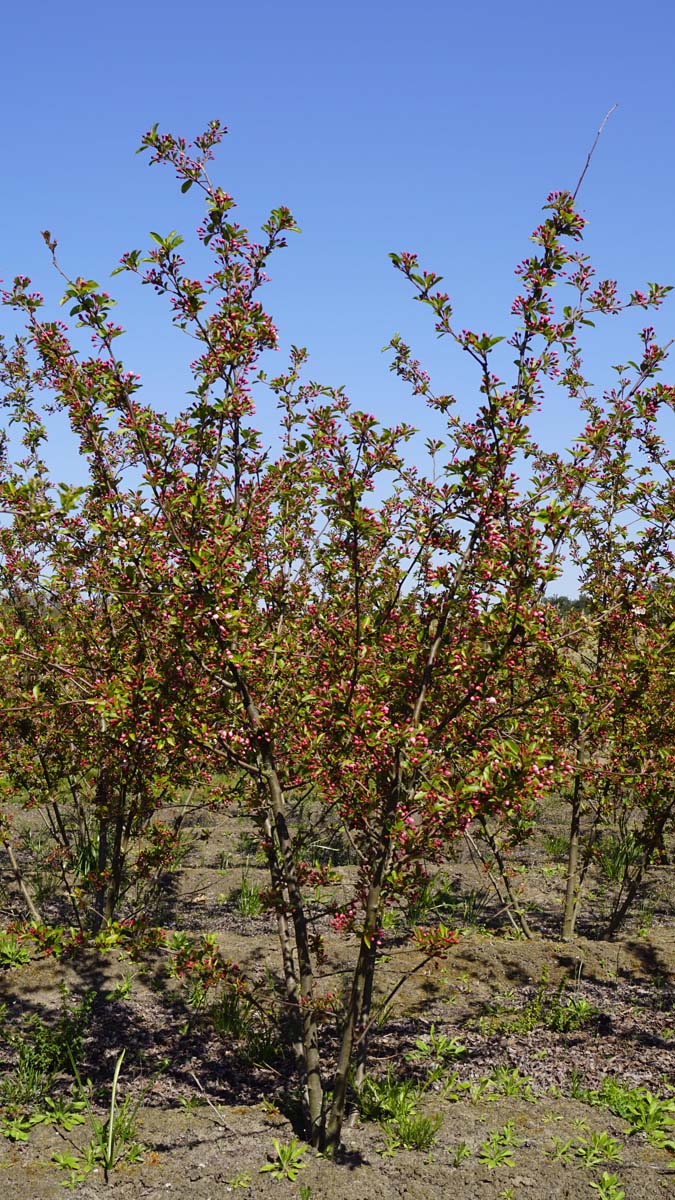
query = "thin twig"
{"x": 591, "y": 152}
{"x": 219, "y": 1116}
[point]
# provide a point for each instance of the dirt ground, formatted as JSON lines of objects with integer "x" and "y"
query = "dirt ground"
{"x": 208, "y": 1151}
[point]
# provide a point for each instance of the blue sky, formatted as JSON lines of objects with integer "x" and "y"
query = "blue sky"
{"x": 434, "y": 127}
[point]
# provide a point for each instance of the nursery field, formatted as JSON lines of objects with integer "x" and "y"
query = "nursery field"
{"x": 513, "y": 1067}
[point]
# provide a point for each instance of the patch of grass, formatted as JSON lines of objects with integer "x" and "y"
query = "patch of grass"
{"x": 42, "y": 1053}
{"x": 247, "y": 900}
{"x": 506, "y": 1082}
{"x": 413, "y": 1130}
{"x": 113, "y": 1137}
{"x": 381, "y": 1099}
{"x": 12, "y": 953}
{"x": 437, "y": 900}
{"x": 394, "y": 1103}
{"x": 556, "y": 845}
{"x": 645, "y": 1113}
{"x": 549, "y": 1008}
{"x": 617, "y": 855}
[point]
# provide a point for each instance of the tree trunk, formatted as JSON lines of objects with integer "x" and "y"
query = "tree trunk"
{"x": 359, "y": 1001}
{"x": 572, "y": 887}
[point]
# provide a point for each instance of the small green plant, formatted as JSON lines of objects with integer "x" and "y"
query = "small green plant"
{"x": 381, "y": 1099}
{"x": 12, "y": 953}
{"x": 231, "y": 1014}
{"x": 575, "y": 1013}
{"x": 247, "y": 899}
{"x": 550, "y": 870}
{"x": 458, "y": 1154}
{"x": 191, "y": 1103}
{"x": 287, "y": 1161}
{"x": 437, "y": 900}
{"x": 548, "y": 1008}
{"x": 41, "y": 1052}
{"x": 497, "y": 1150}
{"x": 122, "y": 990}
{"x": 305, "y": 1191}
{"x": 556, "y": 846}
{"x": 645, "y": 1113}
{"x": 68, "y": 1161}
{"x": 241, "y": 1180}
{"x": 617, "y": 855}
{"x": 113, "y": 1138}
{"x": 648, "y": 1114}
{"x": 17, "y": 1128}
{"x": 608, "y": 1187}
{"x": 437, "y": 1047}
{"x": 561, "y": 1151}
{"x": 66, "y": 1113}
{"x": 413, "y": 1130}
{"x": 479, "y": 1089}
{"x": 394, "y": 1104}
{"x": 511, "y": 1083}
{"x": 599, "y": 1148}
{"x": 391, "y": 1144}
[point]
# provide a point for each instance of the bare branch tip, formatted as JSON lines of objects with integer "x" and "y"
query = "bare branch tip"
{"x": 591, "y": 152}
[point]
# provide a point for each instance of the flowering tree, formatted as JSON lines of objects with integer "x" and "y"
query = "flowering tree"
{"x": 98, "y": 718}
{"x": 381, "y": 666}
{"x": 615, "y": 650}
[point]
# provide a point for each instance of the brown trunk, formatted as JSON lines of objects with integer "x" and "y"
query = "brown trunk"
{"x": 22, "y": 885}
{"x": 573, "y": 886}
{"x": 359, "y": 1002}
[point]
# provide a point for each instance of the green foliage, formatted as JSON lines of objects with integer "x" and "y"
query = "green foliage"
{"x": 562, "y": 1150}
{"x": 394, "y": 1103}
{"x": 42, "y": 1052}
{"x": 387, "y": 1098}
{"x": 644, "y": 1112}
{"x": 437, "y": 1048}
{"x": 12, "y": 952}
{"x": 458, "y": 1154}
{"x": 17, "y": 1128}
{"x": 287, "y": 1161}
{"x": 412, "y": 1130}
{"x": 113, "y": 1137}
{"x": 599, "y": 1148}
{"x": 241, "y": 1180}
{"x": 435, "y": 900}
{"x": 66, "y": 1113}
{"x": 608, "y": 1187}
{"x": 505, "y": 1081}
{"x": 549, "y": 1008}
{"x": 618, "y": 854}
{"x": 497, "y": 1149}
{"x": 247, "y": 901}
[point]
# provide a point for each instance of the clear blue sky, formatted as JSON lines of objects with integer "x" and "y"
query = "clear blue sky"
{"x": 436, "y": 127}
